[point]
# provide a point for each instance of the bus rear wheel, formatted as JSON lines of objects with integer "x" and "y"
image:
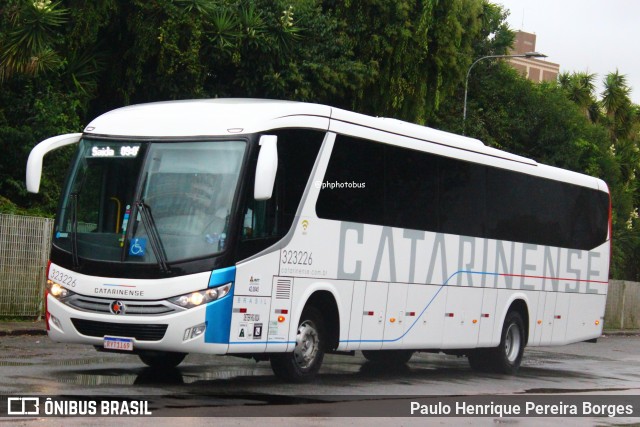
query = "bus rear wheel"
{"x": 304, "y": 362}
{"x": 506, "y": 357}
{"x": 161, "y": 359}
{"x": 388, "y": 357}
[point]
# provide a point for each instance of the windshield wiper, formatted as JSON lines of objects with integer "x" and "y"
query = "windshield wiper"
{"x": 74, "y": 229}
{"x": 154, "y": 236}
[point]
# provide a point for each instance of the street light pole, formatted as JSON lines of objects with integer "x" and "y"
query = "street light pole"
{"x": 466, "y": 81}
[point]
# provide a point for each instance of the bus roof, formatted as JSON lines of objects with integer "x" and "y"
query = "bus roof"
{"x": 205, "y": 117}
{"x": 225, "y": 117}
{"x": 216, "y": 117}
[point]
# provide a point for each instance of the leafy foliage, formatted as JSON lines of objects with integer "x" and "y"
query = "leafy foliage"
{"x": 28, "y": 44}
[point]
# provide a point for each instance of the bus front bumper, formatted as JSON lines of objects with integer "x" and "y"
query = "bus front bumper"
{"x": 196, "y": 330}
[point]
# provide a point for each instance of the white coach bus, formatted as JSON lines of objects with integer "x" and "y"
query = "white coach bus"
{"x": 283, "y": 230}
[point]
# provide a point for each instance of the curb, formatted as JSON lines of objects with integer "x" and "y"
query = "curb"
{"x": 621, "y": 333}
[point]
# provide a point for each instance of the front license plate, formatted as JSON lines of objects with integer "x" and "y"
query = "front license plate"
{"x": 117, "y": 343}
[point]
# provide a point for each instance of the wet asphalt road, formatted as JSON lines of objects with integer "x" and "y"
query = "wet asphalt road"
{"x": 33, "y": 365}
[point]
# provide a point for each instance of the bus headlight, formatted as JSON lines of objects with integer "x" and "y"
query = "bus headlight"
{"x": 58, "y": 291}
{"x": 194, "y": 299}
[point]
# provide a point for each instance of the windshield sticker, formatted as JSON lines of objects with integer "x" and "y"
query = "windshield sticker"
{"x": 125, "y": 221}
{"x": 242, "y": 334}
{"x": 138, "y": 246}
{"x": 257, "y": 331}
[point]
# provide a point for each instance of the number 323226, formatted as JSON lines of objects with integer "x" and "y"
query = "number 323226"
{"x": 297, "y": 257}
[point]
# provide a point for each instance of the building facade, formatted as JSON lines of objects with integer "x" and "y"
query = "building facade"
{"x": 534, "y": 69}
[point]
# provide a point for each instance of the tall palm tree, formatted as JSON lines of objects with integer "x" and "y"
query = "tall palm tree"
{"x": 580, "y": 88}
{"x": 28, "y": 45}
{"x": 616, "y": 93}
{"x": 617, "y": 105}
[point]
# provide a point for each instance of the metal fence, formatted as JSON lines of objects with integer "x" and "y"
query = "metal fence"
{"x": 623, "y": 305}
{"x": 24, "y": 251}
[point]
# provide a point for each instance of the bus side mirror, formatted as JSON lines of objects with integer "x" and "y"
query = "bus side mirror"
{"x": 266, "y": 168}
{"x": 34, "y": 164}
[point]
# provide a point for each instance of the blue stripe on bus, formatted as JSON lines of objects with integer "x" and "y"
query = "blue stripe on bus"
{"x": 222, "y": 276}
{"x": 218, "y": 313}
{"x": 427, "y": 306}
{"x": 481, "y": 273}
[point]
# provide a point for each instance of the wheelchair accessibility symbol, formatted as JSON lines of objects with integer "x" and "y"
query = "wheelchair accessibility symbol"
{"x": 138, "y": 246}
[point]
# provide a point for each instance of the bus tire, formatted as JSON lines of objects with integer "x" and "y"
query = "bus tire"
{"x": 388, "y": 357}
{"x": 507, "y": 357}
{"x": 161, "y": 359}
{"x": 304, "y": 362}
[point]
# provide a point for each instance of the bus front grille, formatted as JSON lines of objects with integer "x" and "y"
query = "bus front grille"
{"x": 141, "y": 332}
{"x": 133, "y": 307}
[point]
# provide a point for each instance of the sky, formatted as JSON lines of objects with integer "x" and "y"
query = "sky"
{"x": 596, "y": 36}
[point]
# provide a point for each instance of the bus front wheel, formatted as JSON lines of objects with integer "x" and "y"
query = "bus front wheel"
{"x": 304, "y": 362}
{"x": 161, "y": 359}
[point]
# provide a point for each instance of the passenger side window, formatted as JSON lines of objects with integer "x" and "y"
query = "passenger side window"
{"x": 399, "y": 187}
{"x": 267, "y": 221}
{"x": 353, "y": 186}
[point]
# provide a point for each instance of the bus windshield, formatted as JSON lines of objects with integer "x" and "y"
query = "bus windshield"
{"x": 149, "y": 202}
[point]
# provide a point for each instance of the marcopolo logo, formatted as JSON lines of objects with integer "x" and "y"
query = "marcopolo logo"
{"x": 117, "y": 307}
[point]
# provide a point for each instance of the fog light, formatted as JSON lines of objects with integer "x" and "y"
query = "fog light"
{"x": 194, "y": 332}
{"x": 198, "y": 330}
{"x": 53, "y": 319}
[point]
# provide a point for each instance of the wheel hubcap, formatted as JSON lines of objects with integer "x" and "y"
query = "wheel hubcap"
{"x": 512, "y": 343}
{"x": 307, "y": 344}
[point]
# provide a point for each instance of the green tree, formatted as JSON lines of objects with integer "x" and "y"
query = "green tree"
{"x": 622, "y": 121}
{"x": 580, "y": 88}
{"x": 620, "y": 115}
{"x": 30, "y": 37}
{"x": 37, "y": 98}
{"x": 417, "y": 52}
